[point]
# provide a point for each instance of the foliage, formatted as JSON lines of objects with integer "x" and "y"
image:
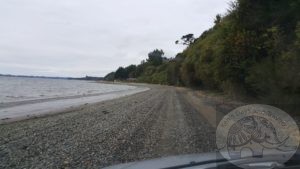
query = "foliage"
{"x": 186, "y": 39}
{"x": 110, "y": 76}
{"x": 253, "y": 50}
{"x": 121, "y": 73}
{"x": 155, "y": 58}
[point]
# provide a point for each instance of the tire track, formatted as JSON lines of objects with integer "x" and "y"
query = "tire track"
{"x": 202, "y": 134}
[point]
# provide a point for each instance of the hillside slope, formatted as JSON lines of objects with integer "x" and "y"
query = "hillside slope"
{"x": 252, "y": 50}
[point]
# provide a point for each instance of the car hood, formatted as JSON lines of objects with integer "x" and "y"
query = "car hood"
{"x": 208, "y": 160}
{"x": 168, "y": 161}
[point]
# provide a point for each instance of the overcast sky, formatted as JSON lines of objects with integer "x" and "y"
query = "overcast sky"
{"x": 94, "y": 37}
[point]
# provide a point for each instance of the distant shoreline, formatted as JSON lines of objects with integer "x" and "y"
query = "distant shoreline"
{"x": 53, "y": 77}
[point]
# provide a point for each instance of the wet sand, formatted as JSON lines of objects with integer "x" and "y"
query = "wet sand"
{"x": 37, "y": 108}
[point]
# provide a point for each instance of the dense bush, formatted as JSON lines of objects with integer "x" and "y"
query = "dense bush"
{"x": 252, "y": 50}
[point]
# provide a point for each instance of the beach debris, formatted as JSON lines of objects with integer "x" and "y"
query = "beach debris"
{"x": 105, "y": 112}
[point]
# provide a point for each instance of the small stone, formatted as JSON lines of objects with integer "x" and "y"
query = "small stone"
{"x": 105, "y": 112}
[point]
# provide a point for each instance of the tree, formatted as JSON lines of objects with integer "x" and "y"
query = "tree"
{"x": 186, "y": 39}
{"x": 121, "y": 73}
{"x": 110, "y": 76}
{"x": 131, "y": 71}
{"x": 155, "y": 58}
{"x": 218, "y": 19}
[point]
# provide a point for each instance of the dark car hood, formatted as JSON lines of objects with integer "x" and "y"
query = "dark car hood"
{"x": 203, "y": 160}
{"x": 167, "y": 161}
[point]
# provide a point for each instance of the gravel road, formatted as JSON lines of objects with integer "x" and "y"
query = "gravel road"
{"x": 160, "y": 122}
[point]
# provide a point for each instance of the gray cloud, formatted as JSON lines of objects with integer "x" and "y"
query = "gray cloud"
{"x": 94, "y": 37}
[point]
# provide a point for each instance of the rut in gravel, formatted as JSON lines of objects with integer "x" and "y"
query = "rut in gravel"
{"x": 159, "y": 122}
